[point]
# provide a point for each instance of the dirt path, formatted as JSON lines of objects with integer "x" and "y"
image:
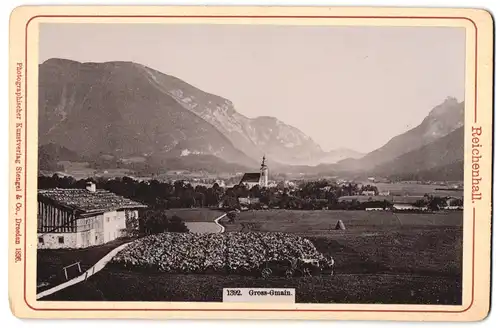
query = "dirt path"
{"x": 222, "y": 228}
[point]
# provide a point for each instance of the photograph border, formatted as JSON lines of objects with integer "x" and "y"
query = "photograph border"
{"x": 475, "y": 113}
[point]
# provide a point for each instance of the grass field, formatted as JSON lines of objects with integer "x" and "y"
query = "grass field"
{"x": 381, "y": 257}
{"x": 116, "y": 285}
{"x": 376, "y": 242}
{"x": 195, "y": 214}
{"x": 50, "y": 262}
{"x": 321, "y": 222}
{"x": 416, "y": 189}
{"x": 203, "y": 227}
{"x": 198, "y": 220}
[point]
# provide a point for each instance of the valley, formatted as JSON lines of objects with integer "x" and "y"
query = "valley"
{"x": 173, "y": 126}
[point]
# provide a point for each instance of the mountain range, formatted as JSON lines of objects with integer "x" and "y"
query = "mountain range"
{"x": 445, "y": 152}
{"x": 442, "y": 120}
{"x": 127, "y": 112}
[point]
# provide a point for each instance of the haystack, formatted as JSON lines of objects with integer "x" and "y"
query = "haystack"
{"x": 340, "y": 225}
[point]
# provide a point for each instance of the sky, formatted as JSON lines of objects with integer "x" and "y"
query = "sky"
{"x": 345, "y": 87}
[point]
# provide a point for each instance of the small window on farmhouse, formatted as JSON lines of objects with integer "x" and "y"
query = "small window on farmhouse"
{"x": 61, "y": 240}
{"x": 40, "y": 240}
{"x": 107, "y": 219}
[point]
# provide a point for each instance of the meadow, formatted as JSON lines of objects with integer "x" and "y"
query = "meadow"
{"x": 194, "y": 214}
{"x": 381, "y": 257}
{"x": 197, "y": 220}
{"x": 50, "y": 262}
{"x": 324, "y": 222}
{"x": 416, "y": 189}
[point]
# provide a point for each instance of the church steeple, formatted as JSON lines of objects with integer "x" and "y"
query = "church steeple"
{"x": 263, "y": 173}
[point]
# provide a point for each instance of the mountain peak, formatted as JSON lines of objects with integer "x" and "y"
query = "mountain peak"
{"x": 441, "y": 121}
{"x": 60, "y": 62}
{"x": 84, "y": 108}
{"x": 126, "y": 108}
{"x": 448, "y": 107}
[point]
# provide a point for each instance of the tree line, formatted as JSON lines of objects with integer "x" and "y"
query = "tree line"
{"x": 308, "y": 195}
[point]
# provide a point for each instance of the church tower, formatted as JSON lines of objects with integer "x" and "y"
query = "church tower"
{"x": 264, "y": 173}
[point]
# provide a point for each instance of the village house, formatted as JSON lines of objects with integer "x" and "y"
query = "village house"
{"x": 369, "y": 209}
{"x": 407, "y": 203}
{"x": 246, "y": 201}
{"x": 79, "y": 218}
{"x": 407, "y": 207}
{"x": 453, "y": 203}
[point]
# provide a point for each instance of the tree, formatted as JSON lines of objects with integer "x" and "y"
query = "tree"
{"x": 175, "y": 224}
{"x": 435, "y": 203}
{"x": 131, "y": 224}
{"x": 255, "y": 191}
{"x": 421, "y": 203}
{"x": 156, "y": 221}
{"x": 231, "y": 216}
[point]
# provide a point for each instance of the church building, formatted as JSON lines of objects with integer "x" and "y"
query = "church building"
{"x": 261, "y": 178}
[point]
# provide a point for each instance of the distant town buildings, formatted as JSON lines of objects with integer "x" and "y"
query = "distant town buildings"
{"x": 78, "y": 218}
{"x": 221, "y": 183}
{"x": 375, "y": 209}
{"x": 407, "y": 207}
{"x": 248, "y": 201}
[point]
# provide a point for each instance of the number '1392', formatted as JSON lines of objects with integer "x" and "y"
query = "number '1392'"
{"x": 233, "y": 292}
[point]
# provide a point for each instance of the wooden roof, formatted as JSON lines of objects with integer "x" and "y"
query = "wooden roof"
{"x": 85, "y": 201}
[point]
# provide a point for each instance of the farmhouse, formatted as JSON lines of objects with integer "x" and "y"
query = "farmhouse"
{"x": 78, "y": 218}
{"x": 406, "y": 207}
{"x": 369, "y": 209}
{"x": 453, "y": 203}
{"x": 408, "y": 203}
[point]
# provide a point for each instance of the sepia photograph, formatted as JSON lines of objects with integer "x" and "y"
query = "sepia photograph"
{"x": 178, "y": 160}
{"x": 250, "y": 163}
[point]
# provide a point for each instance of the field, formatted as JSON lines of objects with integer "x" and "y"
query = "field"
{"x": 324, "y": 222}
{"x": 82, "y": 170}
{"x": 380, "y": 258}
{"x": 108, "y": 285}
{"x": 200, "y": 220}
{"x": 203, "y": 227}
{"x": 194, "y": 214}
{"x": 50, "y": 262}
{"x": 415, "y": 189}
